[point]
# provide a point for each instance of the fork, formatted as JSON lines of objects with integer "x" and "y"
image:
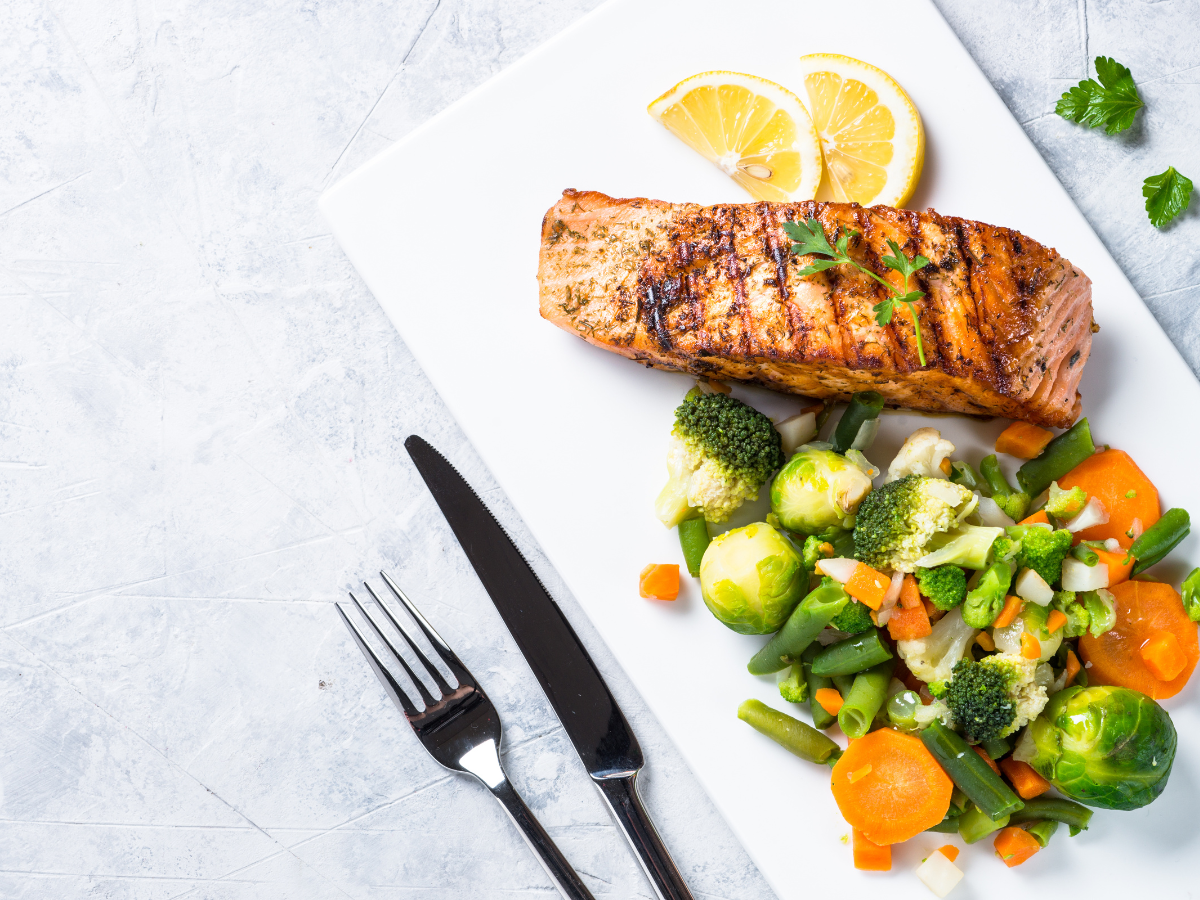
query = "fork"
{"x": 460, "y": 728}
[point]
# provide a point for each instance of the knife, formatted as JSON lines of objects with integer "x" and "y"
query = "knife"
{"x": 583, "y": 702}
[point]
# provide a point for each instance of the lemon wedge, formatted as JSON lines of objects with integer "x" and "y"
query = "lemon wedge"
{"x": 756, "y": 131}
{"x": 871, "y": 134}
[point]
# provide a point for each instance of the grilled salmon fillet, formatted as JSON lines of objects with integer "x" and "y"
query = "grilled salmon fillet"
{"x": 714, "y": 291}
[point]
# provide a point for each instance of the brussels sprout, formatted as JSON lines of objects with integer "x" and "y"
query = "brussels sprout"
{"x": 1104, "y": 746}
{"x": 752, "y": 578}
{"x": 817, "y": 489}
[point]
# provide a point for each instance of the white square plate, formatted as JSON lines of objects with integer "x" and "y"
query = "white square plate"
{"x": 444, "y": 228}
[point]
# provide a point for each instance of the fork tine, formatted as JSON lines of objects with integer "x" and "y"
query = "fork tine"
{"x": 426, "y": 697}
{"x": 390, "y": 685}
{"x": 449, "y": 657}
{"x": 432, "y": 669}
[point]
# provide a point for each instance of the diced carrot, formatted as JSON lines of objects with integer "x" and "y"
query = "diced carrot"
{"x": 1031, "y": 647}
{"x": 1072, "y": 668}
{"x": 1038, "y": 517}
{"x": 1015, "y": 845}
{"x": 829, "y": 700}
{"x": 1163, "y": 656}
{"x": 868, "y": 586}
{"x": 1011, "y": 609}
{"x": 932, "y": 611}
{"x": 826, "y": 550}
{"x": 1144, "y": 608}
{"x": 659, "y": 581}
{"x": 945, "y": 466}
{"x": 814, "y": 408}
{"x": 909, "y": 624}
{"x": 1118, "y": 568}
{"x": 1124, "y": 490}
{"x": 1056, "y": 620}
{"x": 984, "y": 640}
{"x": 949, "y": 851}
{"x": 1027, "y": 782}
{"x": 987, "y": 759}
{"x": 860, "y": 774}
{"x": 871, "y": 857}
{"x": 1022, "y": 440}
{"x": 910, "y": 594}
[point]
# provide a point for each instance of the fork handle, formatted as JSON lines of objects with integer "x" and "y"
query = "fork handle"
{"x": 551, "y": 858}
{"x": 621, "y": 794}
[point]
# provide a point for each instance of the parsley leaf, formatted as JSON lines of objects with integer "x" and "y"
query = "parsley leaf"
{"x": 1112, "y": 102}
{"x": 1167, "y": 195}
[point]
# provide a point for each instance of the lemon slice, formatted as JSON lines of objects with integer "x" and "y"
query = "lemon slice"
{"x": 757, "y": 132}
{"x": 871, "y": 134}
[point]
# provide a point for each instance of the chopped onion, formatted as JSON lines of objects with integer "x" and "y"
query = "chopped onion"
{"x": 866, "y": 434}
{"x": 842, "y": 569}
{"x": 1092, "y": 514}
{"x": 1033, "y": 588}
{"x": 884, "y": 616}
{"x": 1135, "y": 530}
{"x": 1112, "y": 545}
{"x": 893, "y": 592}
{"x": 939, "y": 874}
{"x": 796, "y": 430}
{"x": 1079, "y": 576}
{"x": 990, "y": 513}
{"x": 1008, "y": 638}
{"x": 827, "y": 636}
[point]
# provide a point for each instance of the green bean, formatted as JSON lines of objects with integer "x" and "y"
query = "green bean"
{"x": 948, "y": 825}
{"x": 996, "y": 748}
{"x": 843, "y": 683}
{"x": 824, "y": 414}
{"x": 791, "y": 734}
{"x": 864, "y": 699}
{"x": 967, "y": 769}
{"x": 821, "y": 719}
{"x": 1191, "y": 594}
{"x": 974, "y": 825}
{"x": 902, "y": 710}
{"x": 1074, "y": 815}
{"x": 1061, "y": 455}
{"x": 693, "y": 540}
{"x": 1085, "y": 554}
{"x": 807, "y": 620}
{"x": 989, "y": 468}
{"x": 864, "y": 407}
{"x": 962, "y": 473}
{"x": 852, "y": 655}
{"x": 1160, "y": 539}
{"x": 1043, "y": 830}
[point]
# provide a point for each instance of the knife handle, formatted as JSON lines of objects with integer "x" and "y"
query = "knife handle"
{"x": 623, "y": 799}
{"x": 551, "y": 858}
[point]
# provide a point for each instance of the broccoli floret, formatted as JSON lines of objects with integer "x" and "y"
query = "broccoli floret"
{"x": 945, "y": 586}
{"x": 721, "y": 452}
{"x": 1078, "y": 618}
{"x": 984, "y": 603}
{"x": 1041, "y": 550}
{"x": 896, "y": 522}
{"x": 794, "y": 688}
{"x": 1004, "y": 549}
{"x": 1065, "y": 505}
{"x": 1014, "y": 505}
{"x": 992, "y": 698}
{"x": 855, "y": 618}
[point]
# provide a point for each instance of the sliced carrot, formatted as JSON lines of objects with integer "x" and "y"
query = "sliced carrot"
{"x": 1144, "y": 609}
{"x": 984, "y": 640}
{"x": 949, "y": 851}
{"x": 1009, "y": 612}
{"x": 1015, "y": 845}
{"x": 659, "y": 581}
{"x": 1038, "y": 517}
{"x": 910, "y": 594}
{"x": 1122, "y": 487}
{"x": 909, "y": 624}
{"x": 871, "y": 857}
{"x": 868, "y": 586}
{"x": 987, "y": 759}
{"x": 1118, "y": 568}
{"x": 1027, "y": 782}
{"x": 1163, "y": 656}
{"x": 1073, "y": 667}
{"x": 907, "y": 792}
{"x": 1031, "y": 647}
{"x": 1022, "y": 440}
{"x": 829, "y": 700}
{"x": 1056, "y": 620}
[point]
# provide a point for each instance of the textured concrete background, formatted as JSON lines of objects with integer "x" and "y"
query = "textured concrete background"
{"x": 201, "y": 410}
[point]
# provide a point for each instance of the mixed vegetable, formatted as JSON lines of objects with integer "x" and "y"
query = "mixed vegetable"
{"x": 981, "y": 644}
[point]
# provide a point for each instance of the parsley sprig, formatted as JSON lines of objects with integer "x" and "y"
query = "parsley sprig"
{"x": 1113, "y": 102}
{"x": 811, "y": 241}
{"x": 1167, "y": 195}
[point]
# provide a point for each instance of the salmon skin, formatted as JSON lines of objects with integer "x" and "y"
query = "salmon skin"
{"x": 715, "y": 291}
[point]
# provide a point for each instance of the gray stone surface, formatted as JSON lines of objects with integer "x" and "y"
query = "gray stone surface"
{"x": 200, "y": 414}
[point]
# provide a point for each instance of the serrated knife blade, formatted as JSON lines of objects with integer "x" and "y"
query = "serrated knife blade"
{"x": 586, "y": 707}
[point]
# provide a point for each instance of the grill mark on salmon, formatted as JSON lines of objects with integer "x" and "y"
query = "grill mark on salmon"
{"x": 714, "y": 291}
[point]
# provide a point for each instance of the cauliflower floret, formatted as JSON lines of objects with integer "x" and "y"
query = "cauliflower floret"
{"x": 1028, "y": 692}
{"x": 932, "y": 658}
{"x": 922, "y": 454}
